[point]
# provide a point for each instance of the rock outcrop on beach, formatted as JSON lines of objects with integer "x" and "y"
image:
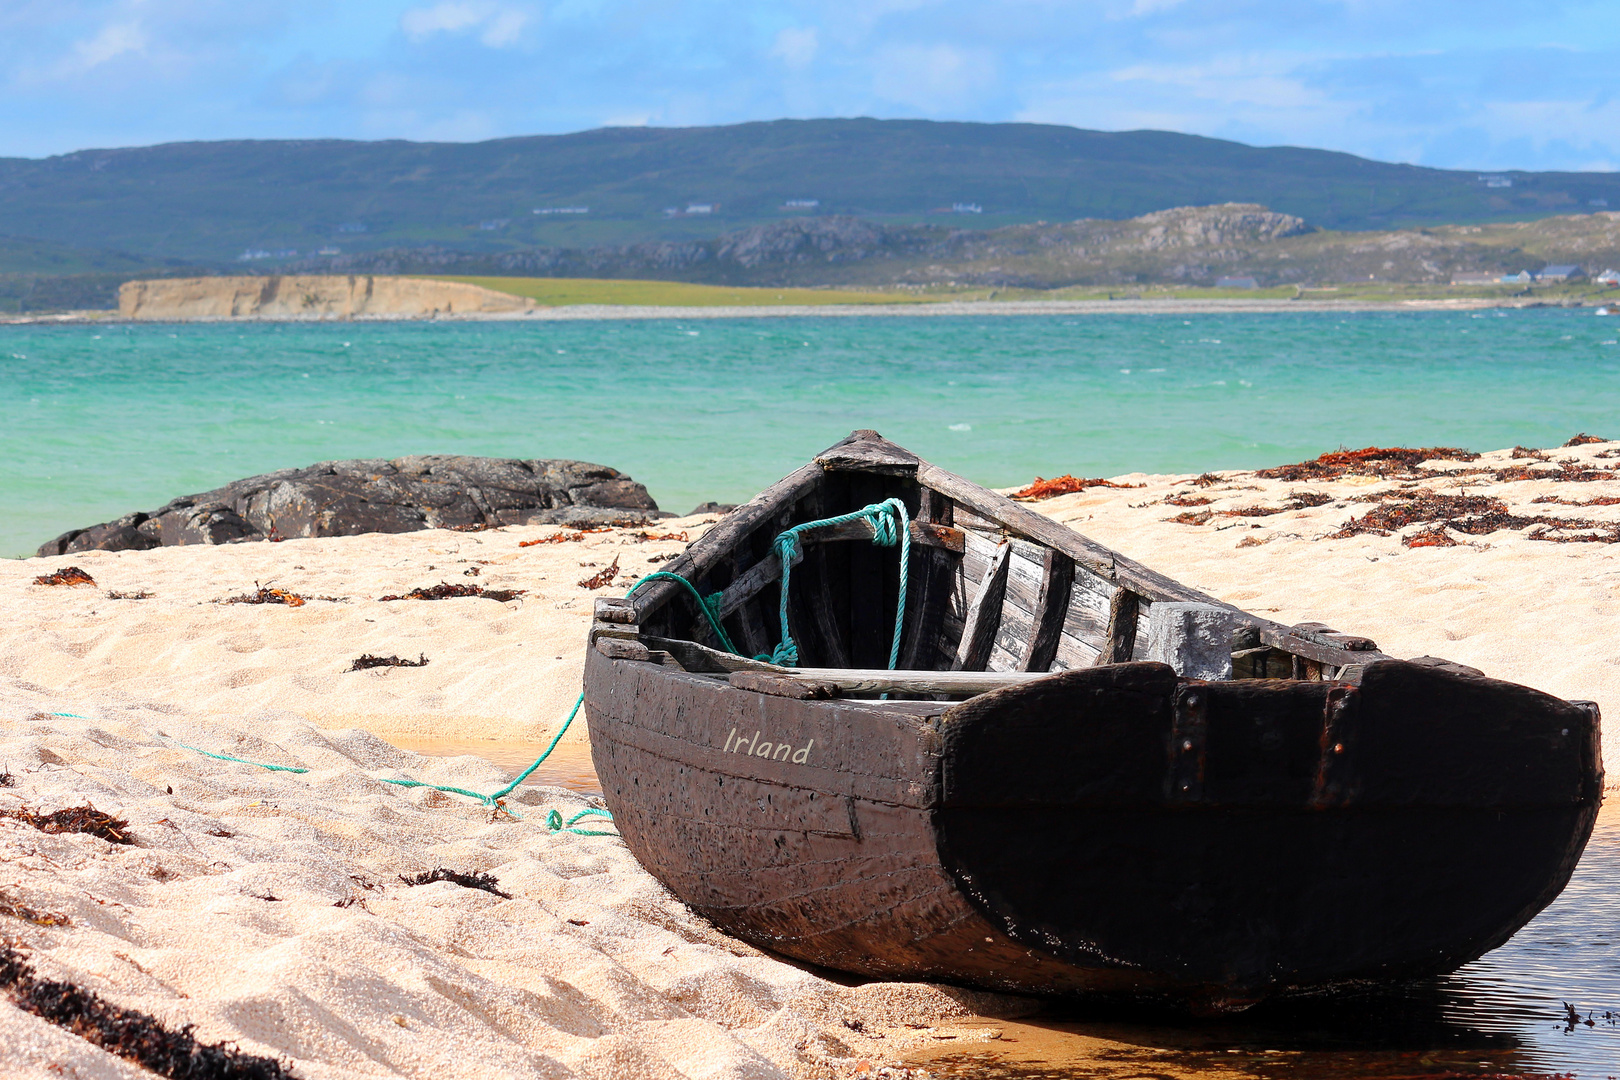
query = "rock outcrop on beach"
{"x": 309, "y": 296}
{"x": 347, "y": 498}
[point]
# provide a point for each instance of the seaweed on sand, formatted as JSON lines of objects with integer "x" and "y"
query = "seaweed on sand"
{"x": 1063, "y": 485}
{"x": 10, "y": 905}
{"x": 366, "y": 660}
{"x": 602, "y": 578}
{"x": 68, "y": 575}
{"x": 1382, "y": 461}
{"x": 478, "y": 880}
{"x": 1424, "y": 506}
{"x": 564, "y": 537}
{"x": 446, "y": 591}
{"x": 77, "y": 819}
{"x": 138, "y": 594}
{"x": 1473, "y": 515}
{"x": 1583, "y": 439}
{"x": 126, "y": 1033}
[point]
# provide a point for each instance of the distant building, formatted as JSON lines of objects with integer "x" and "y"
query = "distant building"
{"x": 1608, "y": 277}
{"x": 1523, "y": 277}
{"x": 1236, "y": 283}
{"x": 1561, "y": 272}
{"x": 801, "y": 204}
{"x": 329, "y": 250}
{"x": 494, "y": 224}
{"x": 1496, "y": 181}
{"x": 352, "y": 227}
{"x": 253, "y": 253}
{"x": 562, "y": 209}
{"x": 701, "y": 208}
{"x": 966, "y": 208}
{"x": 1476, "y": 279}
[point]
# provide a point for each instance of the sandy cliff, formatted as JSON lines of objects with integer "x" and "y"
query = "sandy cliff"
{"x": 308, "y": 296}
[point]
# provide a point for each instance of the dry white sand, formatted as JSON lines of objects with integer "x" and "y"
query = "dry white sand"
{"x": 592, "y": 969}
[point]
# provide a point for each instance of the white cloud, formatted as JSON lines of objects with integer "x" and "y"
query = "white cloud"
{"x": 930, "y": 77}
{"x": 114, "y": 40}
{"x": 498, "y": 26}
{"x": 796, "y": 46}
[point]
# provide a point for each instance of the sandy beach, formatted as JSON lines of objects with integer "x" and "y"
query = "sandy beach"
{"x": 268, "y": 907}
{"x": 587, "y": 312}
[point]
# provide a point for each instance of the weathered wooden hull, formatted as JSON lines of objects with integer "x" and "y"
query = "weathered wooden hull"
{"x": 1286, "y": 810}
{"x": 1035, "y": 840}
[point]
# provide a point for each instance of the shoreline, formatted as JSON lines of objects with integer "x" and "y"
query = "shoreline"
{"x": 606, "y": 312}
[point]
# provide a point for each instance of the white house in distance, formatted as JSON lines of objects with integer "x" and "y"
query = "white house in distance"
{"x": 801, "y": 204}
{"x": 1608, "y": 277}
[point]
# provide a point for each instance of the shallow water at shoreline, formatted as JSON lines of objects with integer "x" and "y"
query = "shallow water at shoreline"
{"x": 97, "y": 421}
{"x": 1504, "y": 1014}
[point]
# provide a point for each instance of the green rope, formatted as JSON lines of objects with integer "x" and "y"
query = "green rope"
{"x": 226, "y": 757}
{"x": 891, "y": 525}
{"x": 710, "y": 606}
{"x": 491, "y": 800}
{"x": 555, "y": 822}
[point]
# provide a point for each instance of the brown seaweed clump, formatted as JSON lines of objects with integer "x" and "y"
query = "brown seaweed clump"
{"x": 564, "y": 537}
{"x": 446, "y": 591}
{"x": 1424, "y": 506}
{"x": 266, "y": 596}
{"x": 1186, "y": 500}
{"x": 1063, "y": 485}
{"x": 602, "y": 578}
{"x": 78, "y": 819}
{"x": 1383, "y": 461}
{"x": 1473, "y": 515}
{"x": 1433, "y": 536}
{"x": 68, "y": 575}
{"x": 366, "y": 660}
{"x": 488, "y": 882}
{"x": 1583, "y": 439}
{"x": 126, "y": 1033}
{"x": 10, "y": 905}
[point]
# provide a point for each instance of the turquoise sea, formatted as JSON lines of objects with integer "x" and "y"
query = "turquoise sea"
{"x": 96, "y": 421}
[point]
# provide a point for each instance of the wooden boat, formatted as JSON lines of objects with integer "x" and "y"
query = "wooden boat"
{"x": 1085, "y": 778}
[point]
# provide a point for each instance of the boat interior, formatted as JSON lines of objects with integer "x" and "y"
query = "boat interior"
{"x": 992, "y": 588}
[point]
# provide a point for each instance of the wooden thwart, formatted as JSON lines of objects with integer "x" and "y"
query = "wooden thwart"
{"x": 878, "y": 681}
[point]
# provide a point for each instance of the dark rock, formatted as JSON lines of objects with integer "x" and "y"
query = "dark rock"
{"x": 347, "y": 498}
{"x": 712, "y": 508}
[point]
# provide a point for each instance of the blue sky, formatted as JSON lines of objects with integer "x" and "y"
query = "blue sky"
{"x": 1483, "y": 84}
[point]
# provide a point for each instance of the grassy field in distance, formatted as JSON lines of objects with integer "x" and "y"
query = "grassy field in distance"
{"x": 557, "y": 292}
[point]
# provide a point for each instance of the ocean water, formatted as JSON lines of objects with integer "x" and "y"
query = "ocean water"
{"x": 97, "y": 421}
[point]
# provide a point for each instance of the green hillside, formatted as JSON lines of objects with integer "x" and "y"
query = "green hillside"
{"x": 210, "y": 202}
